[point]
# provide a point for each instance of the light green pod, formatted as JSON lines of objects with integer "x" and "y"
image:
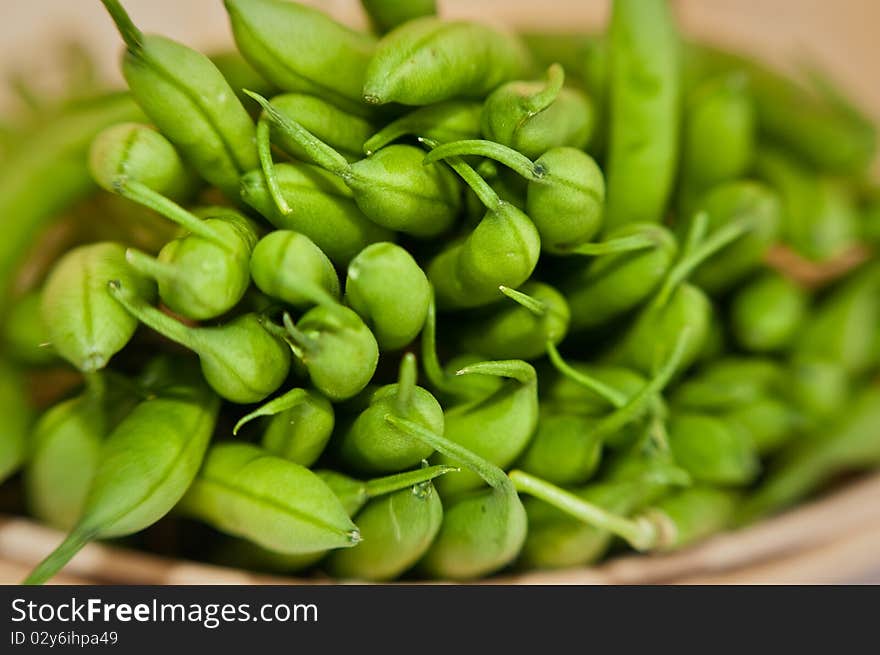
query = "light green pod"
{"x": 817, "y": 387}
{"x": 695, "y": 513}
{"x": 713, "y": 451}
{"x": 769, "y": 423}
{"x": 428, "y": 60}
{"x": 18, "y": 416}
{"x": 240, "y": 74}
{"x": 385, "y": 15}
{"x": 766, "y": 314}
{"x": 85, "y": 324}
{"x": 566, "y": 449}
{"x": 25, "y": 334}
{"x": 731, "y": 382}
{"x": 451, "y": 120}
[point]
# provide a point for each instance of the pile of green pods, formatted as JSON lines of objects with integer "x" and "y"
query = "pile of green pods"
{"x": 434, "y": 300}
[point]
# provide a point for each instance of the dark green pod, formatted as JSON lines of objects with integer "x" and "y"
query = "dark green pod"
{"x": 766, "y": 314}
{"x": 18, "y": 417}
{"x": 25, "y": 333}
{"x": 385, "y": 15}
{"x": 712, "y": 450}
{"x": 451, "y": 120}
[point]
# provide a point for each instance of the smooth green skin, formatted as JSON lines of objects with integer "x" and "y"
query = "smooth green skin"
{"x": 284, "y": 262}
{"x": 25, "y": 334}
{"x": 341, "y": 130}
{"x": 870, "y": 222}
{"x": 817, "y": 387}
{"x": 842, "y": 327}
{"x": 240, "y": 74}
{"x": 851, "y": 441}
{"x": 246, "y": 492}
{"x": 719, "y": 134}
{"x": 819, "y": 216}
{"x": 565, "y": 450}
{"x": 612, "y": 285}
{"x": 197, "y": 277}
{"x": 302, "y": 50}
{"x": 17, "y": 420}
{"x": 769, "y": 423}
{"x": 385, "y": 15}
{"x": 766, "y": 314}
{"x": 49, "y": 173}
{"x": 731, "y": 382}
{"x": 397, "y": 530}
{"x": 146, "y": 465}
{"x": 497, "y": 428}
{"x": 323, "y": 209}
{"x": 85, "y": 325}
{"x": 451, "y": 120}
{"x": 651, "y": 338}
{"x": 697, "y": 512}
{"x": 564, "y": 395}
{"x": 510, "y": 118}
{"x": 342, "y": 353}
{"x": 644, "y": 105}
{"x": 138, "y": 152}
{"x": 188, "y": 99}
{"x": 472, "y": 387}
{"x": 302, "y": 432}
{"x": 711, "y": 450}
{"x": 511, "y": 331}
{"x": 428, "y": 60}
{"x": 389, "y": 290}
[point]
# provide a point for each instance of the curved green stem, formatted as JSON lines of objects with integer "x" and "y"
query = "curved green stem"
{"x": 430, "y": 361}
{"x": 515, "y": 369}
{"x": 406, "y": 384}
{"x": 539, "y": 101}
{"x": 58, "y": 558}
{"x": 129, "y": 32}
{"x": 150, "y": 266}
{"x": 614, "y": 246}
{"x": 398, "y": 481}
{"x": 534, "y": 305}
{"x": 610, "y": 394}
{"x": 155, "y": 319}
{"x": 696, "y": 233}
{"x": 482, "y": 148}
{"x": 264, "y": 151}
{"x": 484, "y": 191}
{"x": 289, "y": 400}
{"x": 297, "y": 336}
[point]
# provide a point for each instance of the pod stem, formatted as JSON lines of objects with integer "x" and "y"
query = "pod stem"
{"x": 58, "y": 558}
{"x": 482, "y": 148}
{"x": 598, "y": 387}
{"x": 154, "y": 318}
{"x": 538, "y": 102}
{"x": 144, "y": 195}
{"x": 641, "y": 535}
{"x": 399, "y": 481}
{"x": 264, "y": 151}
{"x": 325, "y": 156}
{"x": 275, "y": 406}
{"x": 406, "y": 384}
{"x": 391, "y": 132}
{"x": 614, "y": 246}
{"x": 133, "y": 37}
{"x": 431, "y": 363}
{"x": 535, "y": 306}
{"x": 484, "y": 191}
{"x": 300, "y": 338}
{"x": 515, "y": 369}
{"x": 150, "y": 266}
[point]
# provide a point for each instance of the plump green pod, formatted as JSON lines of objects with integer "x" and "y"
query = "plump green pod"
{"x": 18, "y": 416}
{"x": 284, "y": 262}
{"x": 389, "y": 290}
{"x": 769, "y": 423}
{"x": 712, "y": 450}
{"x": 385, "y": 15}
{"x": 696, "y": 513}
{"x": 644, "y": 103}
{"x": 337, "y": 349}
{"x": 85, "y": 325}
{"x": 614, "y": 284}
{"x": 731, "y": 382}
{"x": 397, "y": 530}
{"x": 817, "y": 387}
{"x": 727, "y": 203}
{"x": 451, "y": 120}
{"x": 843, "y": 326}
{"x": 190, "y": 101}
{"x": 533, "y": 117}
{"x": 203, "y": 278}
{"x": 497, "y": 428}
{"x": 25, "y": 333}
{"x": 241, "y": 360}
{"x": 145, "y": 467}
{"x": 322, "y": 208}
{"x": 565, "y": 450}
{"x": 240, "y": 74}
{"x": 428, "y": 60}
{"x": 766, "y": 314}
{"x": 370, "y": 444}
{"x": 301, "y": 49}
{"x": 244, "y": 491}
{"x": 564, "y": 394}
{"x": 519, "y": 331}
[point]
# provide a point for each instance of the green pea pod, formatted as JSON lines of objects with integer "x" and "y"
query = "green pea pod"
{"x": 300, "y": 427}
{"x": 18, "y": 417}
{"x": 502, "y": 250}
{"x": 481, "y": 531}
{"x": 301, "y": 49}
{"x": 190, "y": 101}
{"x": 85, "y": 325}
{"x": 428, "y": 60}
{"x": 565, "y": 193}
{"x": 843, "y": 326}
{"x": 66, "y": 448}
{"x": 284, "y": 262}
{"x": 451, "y": 120}
{"x": 145, "y": 467}
{"x": 370, "y": 444}
{"x": 621, "y": 281}
{"x": 25, "y": 333}
{"x": 587, "y": 389}
{"x": 731, "y": 382}
{"x": 533, "y": 117}
{"x": 644, "y": 109}
{"x": 770, "y": 423}
{"x": 712, "y": 450}
{"x": 817, "y": 387}
{"x": 322, "y": 208}
{"x": 240, "y": 74}
{"x": 244, "y": 491}
{"x": 692, "y": 514}
{"x": 766, "y": 314}
{"x": 389, "y": 290}
{"x": 241, "y": 360}
{"x": 385, "y": 15}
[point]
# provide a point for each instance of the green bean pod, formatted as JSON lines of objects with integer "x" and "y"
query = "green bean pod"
{"x": 770, "y": 423}
{"x": 817, "y": 387}
{"x": 25, "y": 333}
{"x": 712, "y": 450}
{"x": 190, "y": 101}
{"x": 730, "y": 382}
{"x": 766, "y": 314}
{"x": 428, "y": 60}
{"x": 146, "y": 465}
{"x": 385, "y": 15}
{"x": 690, "y": 515}
{"x": 18, "y": 417}
{"x": 451, "y": 120}
{"x": 588, "y": 389}
{"x": 644, "y": 88}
